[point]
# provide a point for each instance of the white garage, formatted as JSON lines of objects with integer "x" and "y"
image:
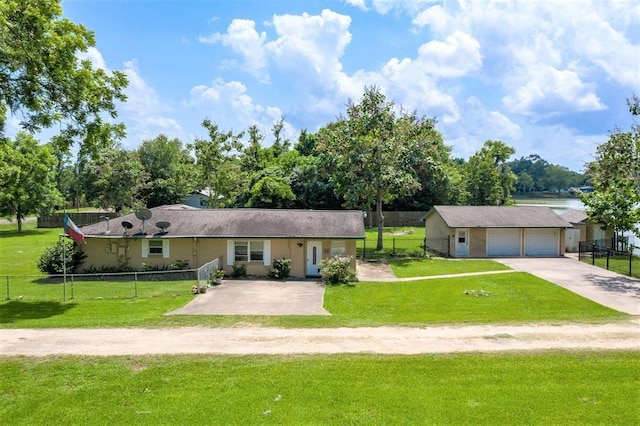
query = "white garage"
{"x": 541, "y": 242}
{"x": 503, "y": 242}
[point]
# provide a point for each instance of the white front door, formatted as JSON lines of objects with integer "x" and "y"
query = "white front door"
{"x": 314, "y": 256}
{"x": 462, "y": 242}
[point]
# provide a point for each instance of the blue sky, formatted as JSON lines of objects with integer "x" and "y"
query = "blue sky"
{"x": 546, "y": 77}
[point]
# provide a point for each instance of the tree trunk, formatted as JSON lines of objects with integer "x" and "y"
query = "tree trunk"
{"x": 19, "y": 219}
{"x": 380, "y": 223}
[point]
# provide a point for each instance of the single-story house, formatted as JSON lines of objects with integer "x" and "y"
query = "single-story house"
{"x": 495, "y": 231}
{"x": 583, "y": 230}
{"x": 199, "y": 199}
{"x": 250, "y": 237}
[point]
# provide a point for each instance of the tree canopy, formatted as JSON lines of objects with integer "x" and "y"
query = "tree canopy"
{"x": 373, "y": 153}
{"x": 27, "y": 178}
{"x": 43, "y": 80}
{"x": 615, "y": 175}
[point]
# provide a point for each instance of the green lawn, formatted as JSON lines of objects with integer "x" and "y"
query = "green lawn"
{"x": 19, "y": 252}
{"x": 619, "y": 264}
{"x": 397, "y": 241}
{"x": 405, "y": 268}
{"x": 513, "y": 297}
{"x": 540, "y": 389}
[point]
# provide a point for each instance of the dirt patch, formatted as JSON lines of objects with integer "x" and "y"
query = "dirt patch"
{"x": 374, "y": 271}
{"x": 382, "y": 340}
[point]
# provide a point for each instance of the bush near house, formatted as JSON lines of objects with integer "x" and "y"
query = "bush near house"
{"x": 337, "y": 270}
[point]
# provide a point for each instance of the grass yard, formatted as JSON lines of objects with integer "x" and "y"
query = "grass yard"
{"x": 19, "y": 252}
{"x": 397, "y": 241}
{"x": 619, "y": 264}
{"x": 513, "y": 297}
{"x": 542, "y": 388}
{"x": 405, "y": 268}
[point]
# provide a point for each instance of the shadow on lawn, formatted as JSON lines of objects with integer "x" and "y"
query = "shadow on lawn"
{"x": 17, "y": 310}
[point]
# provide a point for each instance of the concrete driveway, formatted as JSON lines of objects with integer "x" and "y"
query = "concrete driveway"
{"x": 610, "y": 289}
{"x": 259, "y": 297}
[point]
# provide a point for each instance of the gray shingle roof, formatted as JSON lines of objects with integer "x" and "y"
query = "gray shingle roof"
{"x": 499, "y": 217}
{"x": 574, "y": 216}
{"x": 240, "y": 223}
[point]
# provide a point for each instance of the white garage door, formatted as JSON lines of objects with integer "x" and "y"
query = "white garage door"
{"x": 541, "y": 242}
{"x": 503, "y": 242}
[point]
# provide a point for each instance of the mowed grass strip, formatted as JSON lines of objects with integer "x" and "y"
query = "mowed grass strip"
{"x": 499, "y": 298}
{"x": 619, "y": 264}
{"x": 543, "y": 388}
{"x": 406, "y": 268}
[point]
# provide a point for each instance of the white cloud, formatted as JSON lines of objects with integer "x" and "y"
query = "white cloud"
{"x": 551, "y": 91}
{"x": 228, "y": 104}
{"x": 360, "y": 4}
{"x": 144, "y": 110}
{"x": 457, "y": 56}
{"x": 243, "y": 38}
{"x": 94, "y": 56}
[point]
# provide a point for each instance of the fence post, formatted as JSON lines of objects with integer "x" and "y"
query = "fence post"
{"x": 630, "y": 261}
{"x": 393, "y": 253}
{"x": 424, "y": 247}
{"x": 608, "y": 251}
{"x": 364, "y": 249}
{"x": 72, "y": 286}
{"x": 593, "y": 254}
{"x": 135, "y": 284}
{"x": 8, "y": 298}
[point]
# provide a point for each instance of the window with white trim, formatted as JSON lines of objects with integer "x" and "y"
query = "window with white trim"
{"x": 248, "y": 251}
{"x": 338, "y": 248}
{"x": 156, "y": 248}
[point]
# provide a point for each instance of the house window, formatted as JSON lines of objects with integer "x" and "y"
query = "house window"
{"x": 155, "y": 248}
{"x": 249, "y": 251}
{"x": 338, "y": 248}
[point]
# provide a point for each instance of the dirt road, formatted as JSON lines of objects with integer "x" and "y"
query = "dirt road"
{"x": 258, "y": 340}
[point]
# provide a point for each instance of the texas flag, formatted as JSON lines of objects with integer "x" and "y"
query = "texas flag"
{"x": 72, "y": 230}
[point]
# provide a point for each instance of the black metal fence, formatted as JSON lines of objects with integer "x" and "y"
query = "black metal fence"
{"x": 606, "y": 254}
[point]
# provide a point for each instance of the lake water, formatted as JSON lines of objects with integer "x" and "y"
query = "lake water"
{"x": 560, "y": 205}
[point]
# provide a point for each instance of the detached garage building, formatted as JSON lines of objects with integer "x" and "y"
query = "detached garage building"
{"x": 495, "y": 231}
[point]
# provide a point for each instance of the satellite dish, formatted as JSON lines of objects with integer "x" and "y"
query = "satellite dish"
{"x": 126, "y": 224}
{"x": 143, "y": 214}
{"x": 163, "y": 226}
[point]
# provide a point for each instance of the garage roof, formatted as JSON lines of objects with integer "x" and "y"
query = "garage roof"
{"x": 499, "y": 217}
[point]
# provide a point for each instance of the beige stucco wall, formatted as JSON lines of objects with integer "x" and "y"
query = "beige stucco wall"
{"x": 439, "y": 236}
{"x": 198, "y": 251}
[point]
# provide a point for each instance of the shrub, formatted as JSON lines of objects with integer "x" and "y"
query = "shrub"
{"x": 337, "y": 270}
{"x": 239, "y": 270}
{"x": 180, "y": 265}
{"x": 51, "y": 261}
{"x": 281, "y": 269}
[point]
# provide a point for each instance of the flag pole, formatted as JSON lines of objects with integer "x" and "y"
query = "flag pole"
{"x": 64, "y": 261}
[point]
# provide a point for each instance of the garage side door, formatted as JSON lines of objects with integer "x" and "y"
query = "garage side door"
{"x": 541, "y": 242}
{"x": 503, "y": 242}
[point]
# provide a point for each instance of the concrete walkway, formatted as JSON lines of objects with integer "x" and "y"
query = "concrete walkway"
{"x": 608, "y": 288}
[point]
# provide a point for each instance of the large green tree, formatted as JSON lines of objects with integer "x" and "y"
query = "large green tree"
{"x": 373, "y": 153}
{"x": 42, "y": 79}
{"x": 27, "y": 178}
{"x": 615, "y": 175}
{"x": 216, "y": 163}
{"x": 169, "y": 168}
{"x": 113, "y": 179}
{"x": 489, "y": 177}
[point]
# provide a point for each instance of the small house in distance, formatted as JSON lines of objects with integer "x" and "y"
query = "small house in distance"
{"x": 495, "y": 231}
{"x": 249, "y": 237}
{"x": 584, "y": 230}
